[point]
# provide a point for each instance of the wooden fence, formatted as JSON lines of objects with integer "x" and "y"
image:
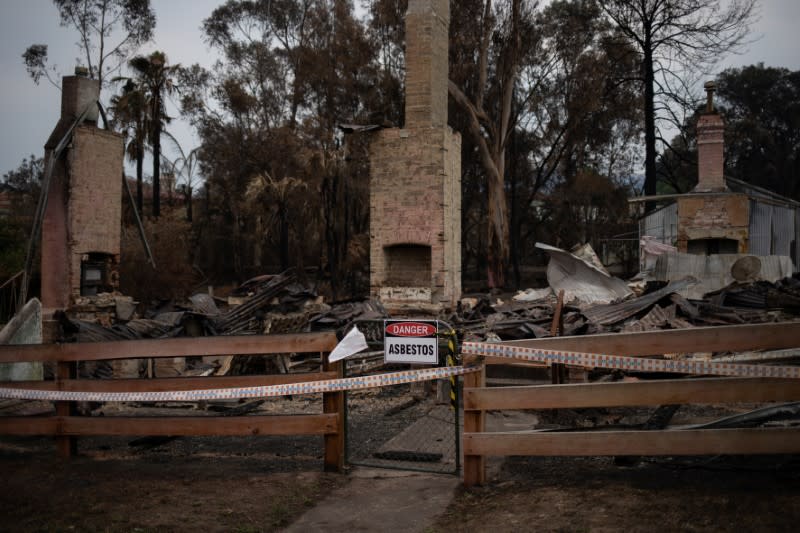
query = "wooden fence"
{"x": 478, "y": 399}
{"x": 66, "y": 426}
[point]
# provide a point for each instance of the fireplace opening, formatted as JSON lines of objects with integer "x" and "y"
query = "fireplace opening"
{"x": 408, "y": 265}
{"x": 713, "y": 246}
{"x": 96, "y": 274}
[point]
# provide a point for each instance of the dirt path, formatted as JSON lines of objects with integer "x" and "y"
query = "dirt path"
{"x": 381, "y": 500}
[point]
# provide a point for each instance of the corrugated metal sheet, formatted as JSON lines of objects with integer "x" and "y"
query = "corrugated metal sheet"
{"x": 760, "y": 241}
{"x": 759, "y": 192}
{"x": 661, "y": 224}
{"x": 782, "y": 230}
{"x": 773, "y": 230}
{"x": 714, "y": 271}
{"x": 582, "y": 282}
{"x": 613, "y": 313}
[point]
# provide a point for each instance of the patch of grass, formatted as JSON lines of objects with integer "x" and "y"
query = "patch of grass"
{"x": 279, "y": 514}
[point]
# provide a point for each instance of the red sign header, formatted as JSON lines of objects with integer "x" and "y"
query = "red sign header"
{"x": 410, "y": 329}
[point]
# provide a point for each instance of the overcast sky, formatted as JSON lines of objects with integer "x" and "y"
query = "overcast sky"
{"x": 29, "y": 112}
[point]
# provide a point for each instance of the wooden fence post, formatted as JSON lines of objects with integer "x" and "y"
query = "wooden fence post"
{"x": 66, "y": 446}
{"x": 474, "y": 422}
{"x": 333, "y": 402}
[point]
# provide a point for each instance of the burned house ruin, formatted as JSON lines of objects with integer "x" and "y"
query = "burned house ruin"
{"x": 415, "y": 182}
{"x": 725, "y": 217}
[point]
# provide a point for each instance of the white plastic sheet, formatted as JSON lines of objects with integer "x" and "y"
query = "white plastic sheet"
{"x": 351, "y": 344}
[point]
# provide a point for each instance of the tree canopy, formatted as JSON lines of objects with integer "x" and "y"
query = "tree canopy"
{"x": 761, "y": 109}
{"x": 553, "y": 101}
{"x": 761, "y": 106}
{"x": 109, "y": 32}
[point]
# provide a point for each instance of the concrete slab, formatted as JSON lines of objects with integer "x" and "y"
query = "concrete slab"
{"x": 381, "y": 500}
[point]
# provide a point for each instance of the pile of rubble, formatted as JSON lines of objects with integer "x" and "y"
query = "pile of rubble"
{"x": 269, "y": 304}
{"x": 595, "y": 302}
{"x": 591, "y": 301}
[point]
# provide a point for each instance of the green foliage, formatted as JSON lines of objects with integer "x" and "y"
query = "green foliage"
{"x": 291, "y": 72}
{"x": 569, "y": 116}
{"x": 142, "y": 107}
{"x": 129, "y": 111}
{"x": 21, "y": 186}
{"x": 761, "y": 106}
{"x": 13, "y": 242}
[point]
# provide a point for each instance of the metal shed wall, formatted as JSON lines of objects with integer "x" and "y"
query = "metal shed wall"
{"x": 661, "y": 224}
{"x": 774, "y": 230}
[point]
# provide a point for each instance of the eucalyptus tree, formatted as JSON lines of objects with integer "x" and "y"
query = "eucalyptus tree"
{"x": 291, "y": 70}
{"x": 537, "y": 103}
{"x": 109, "y": 33}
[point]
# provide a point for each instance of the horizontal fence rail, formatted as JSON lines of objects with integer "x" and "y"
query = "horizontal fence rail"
{"x": 175, "y": 347}
{"x": 479, "y": 399}
{"x": 66, "y": 425}
{"x": 667, "y": 442}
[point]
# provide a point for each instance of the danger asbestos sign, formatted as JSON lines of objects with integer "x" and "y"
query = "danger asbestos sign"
{"x": 410, "y": 341}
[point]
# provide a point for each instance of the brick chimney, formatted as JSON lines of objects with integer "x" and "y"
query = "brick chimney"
{"x": 427, "y": 24}
{"x": 78, "y": 93}
{"x": 81, "y": 226}
{"x": 415, "y": 180}
{"x": 710, "y": 147}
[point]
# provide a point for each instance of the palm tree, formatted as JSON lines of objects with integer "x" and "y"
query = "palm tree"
{"x": 153, "y": 75}
{"x": 184, "y": 167}
{"x": 129, "y": 109}
{"x": 278, "y": 192}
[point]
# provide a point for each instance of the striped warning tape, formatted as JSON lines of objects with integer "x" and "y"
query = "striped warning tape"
{"x": 638, "y": 364}
{"x": 308, "y": 387}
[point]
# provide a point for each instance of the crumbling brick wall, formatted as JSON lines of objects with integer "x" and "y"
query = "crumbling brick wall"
{"x": 713, "y": 216}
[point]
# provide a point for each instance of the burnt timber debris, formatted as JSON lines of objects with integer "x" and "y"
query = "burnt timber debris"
{"x": 275, "y": 304}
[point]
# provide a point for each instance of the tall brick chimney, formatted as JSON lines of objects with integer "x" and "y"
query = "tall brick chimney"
{"x": 710, "y": 147}
{"x": 715, "y": 222}
{"x": 82, "y": 221}
{"x": 415, "y": 179}
{"x": 427, "y": 24}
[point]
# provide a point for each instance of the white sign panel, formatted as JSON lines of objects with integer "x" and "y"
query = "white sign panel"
{"x": 410, "y": 341}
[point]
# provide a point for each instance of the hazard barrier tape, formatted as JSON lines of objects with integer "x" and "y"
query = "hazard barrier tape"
{"x": 637, "y": 364}
{"x": 308, "y": 387}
